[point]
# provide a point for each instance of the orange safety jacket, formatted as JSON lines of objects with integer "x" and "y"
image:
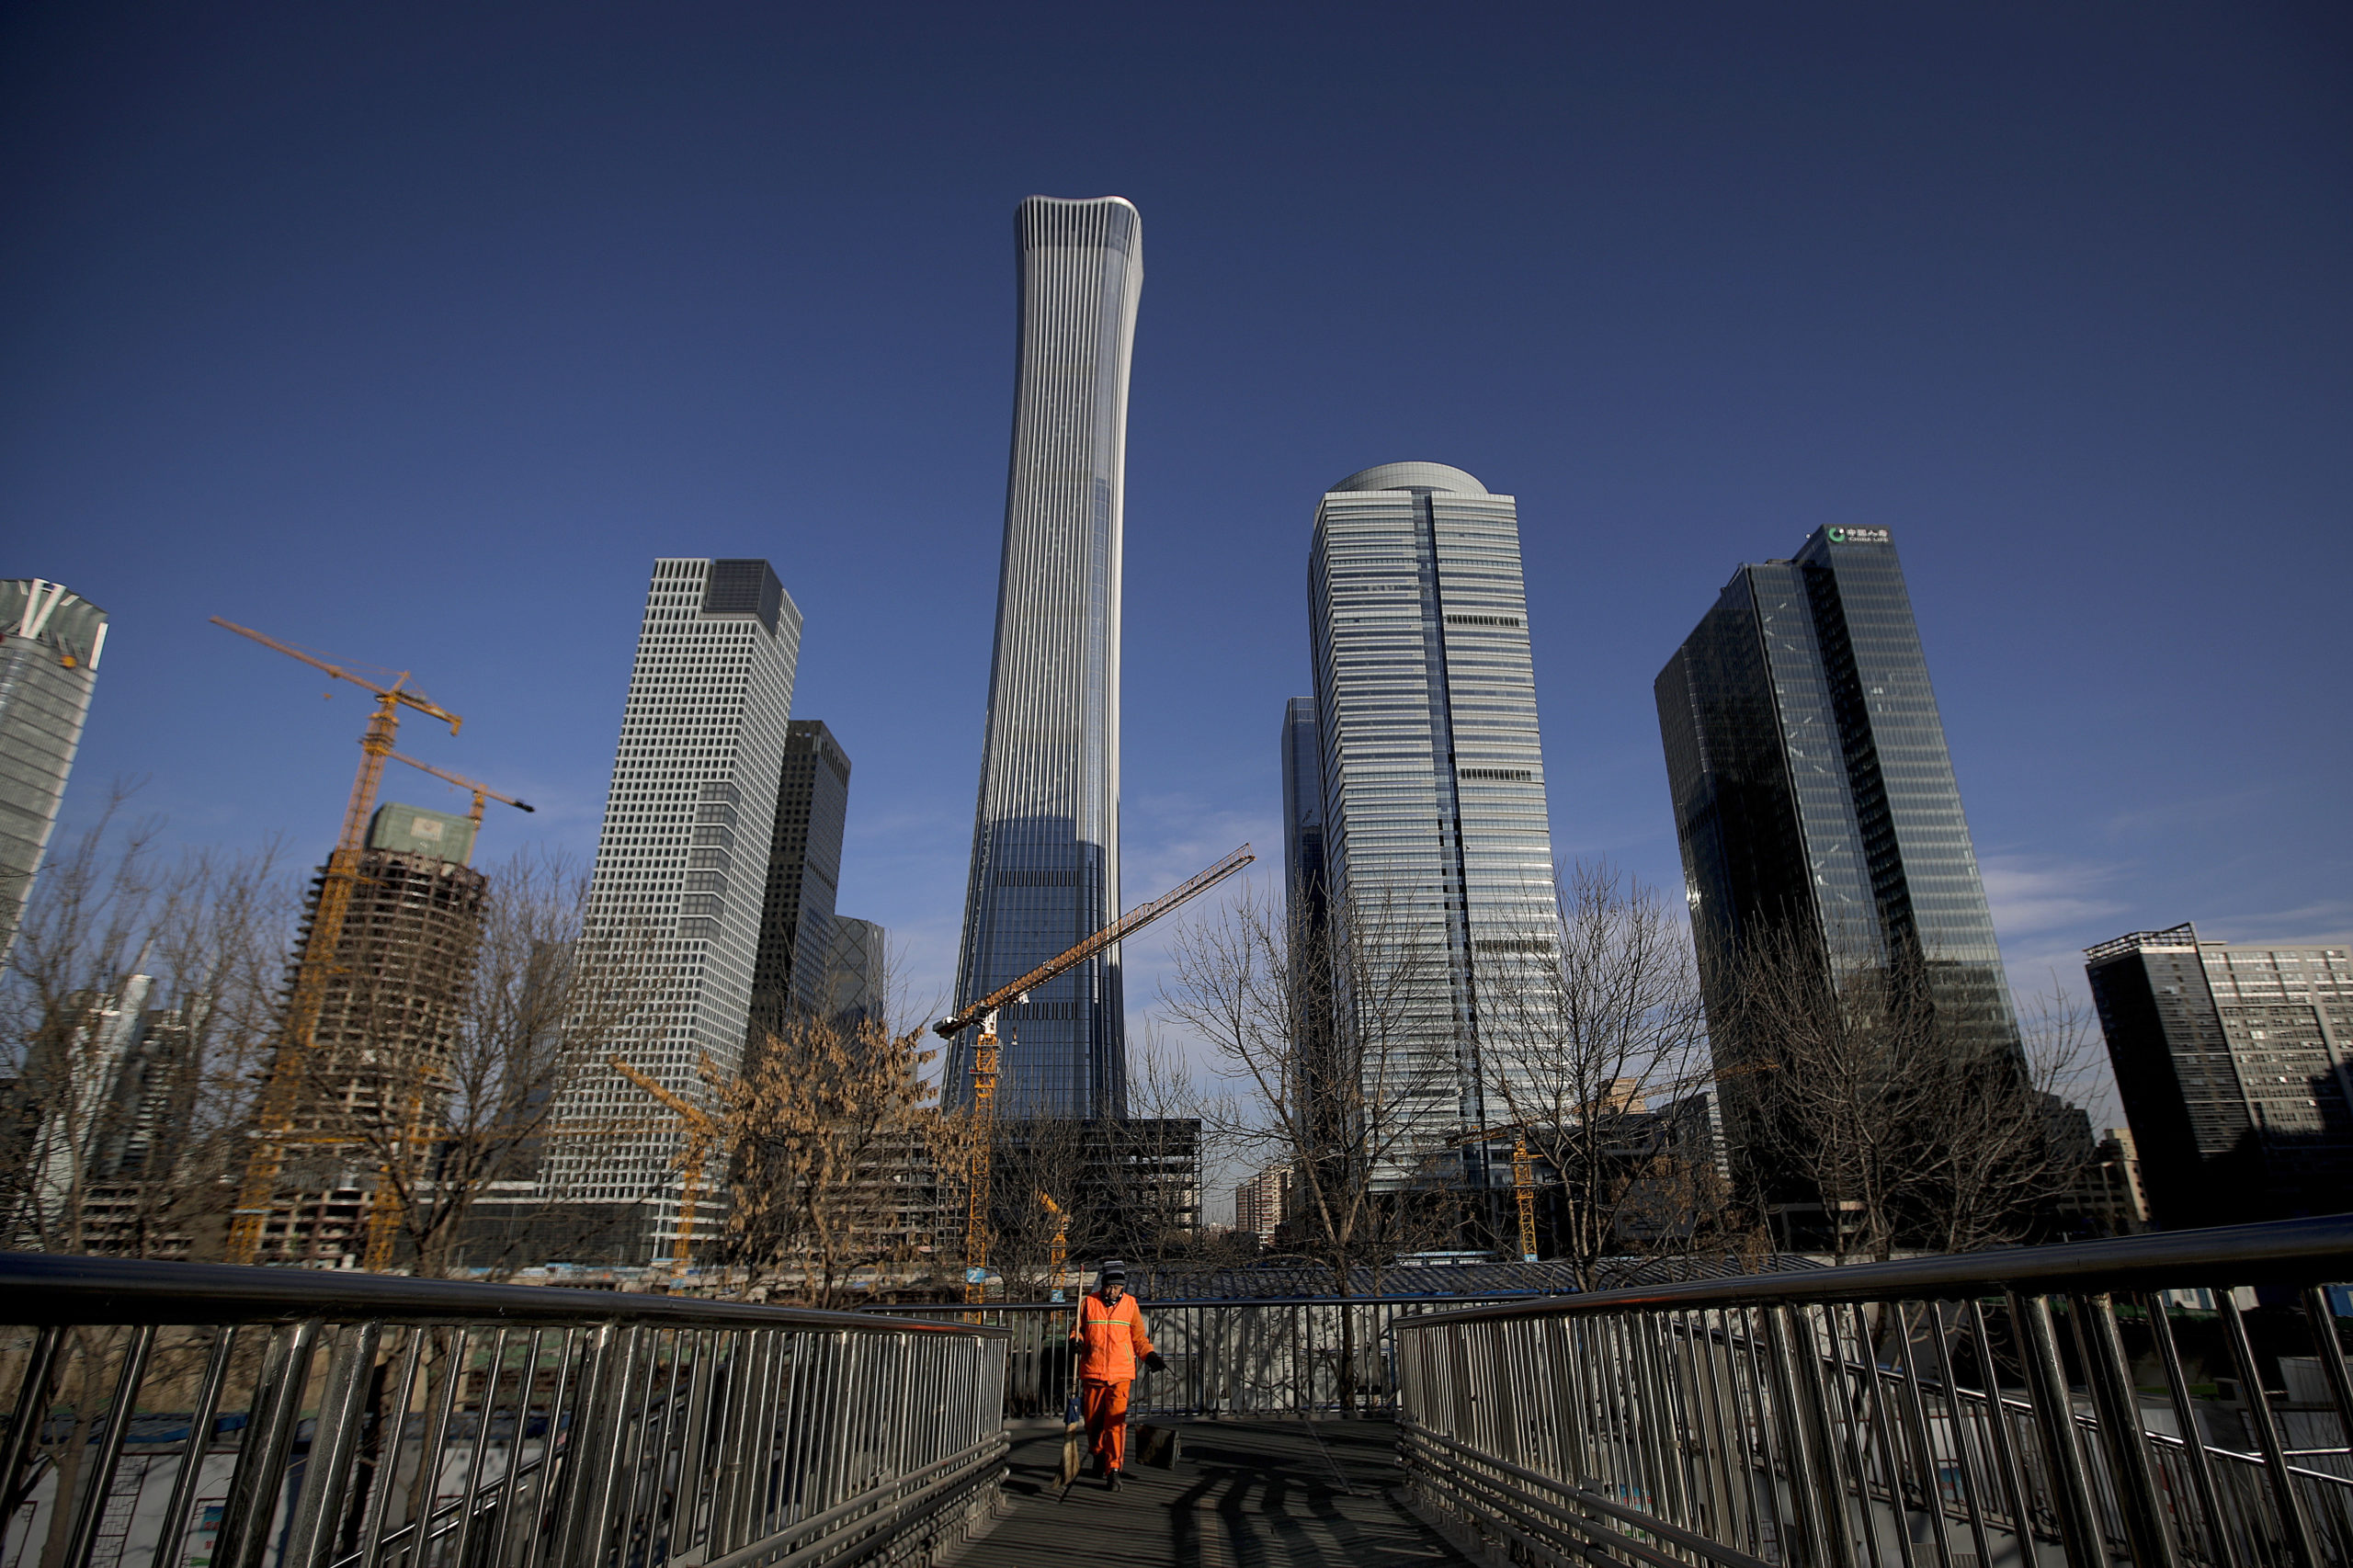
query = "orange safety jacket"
{"x": 1109, "y": 1339}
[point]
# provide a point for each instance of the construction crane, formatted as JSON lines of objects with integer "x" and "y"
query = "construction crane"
{"x": 1058, "y": 1257}
{"x": 482, "y": 791}
{"x": 985, "y": 1047}
{"x": 1523, "y": 1178}
{"x": 316, "y": 962}
{"x": 385, "y": 1215}
{"x": 702, "y": 1131}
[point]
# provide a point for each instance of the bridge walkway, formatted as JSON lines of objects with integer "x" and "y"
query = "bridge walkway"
{"x": 1244, "y": 1495}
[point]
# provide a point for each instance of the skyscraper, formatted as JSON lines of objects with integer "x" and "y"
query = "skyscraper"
{"x": 1304, "y": 882}
{"x": 389, "y": 1017}
{"x": 804, "y": 871}
{"x": 1814, "y": 794}
{"x": 50, "y": 644}
{"x": 678, "y": 889}
{"x": 858, "y": 973}
{"x": 2234, "y": 1061}
{"x": 1437, "y": 841}
{"x": 1045, "y": 866}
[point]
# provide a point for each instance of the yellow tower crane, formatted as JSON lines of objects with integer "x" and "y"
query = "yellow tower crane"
{"x": 703, "y": 1135}
{"x": 482, "y": 791}
{"x": 316, "y": 962}
{"x": 985, "y": 1047}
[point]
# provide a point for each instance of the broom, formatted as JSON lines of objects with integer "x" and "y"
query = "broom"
{"x": 1074, "y": 1449}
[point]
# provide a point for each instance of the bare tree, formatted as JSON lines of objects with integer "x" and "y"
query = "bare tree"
{"x": 138, "y": 1001}
{"x": 830, "y": 1139}
{"x": 1335, "y": 1037}
{"x": 1895, "y": 1092}
{"x": 1998, "y": 1157}
{"x": 1577, "y": 1046}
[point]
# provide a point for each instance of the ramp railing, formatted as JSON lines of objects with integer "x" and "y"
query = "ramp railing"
{"x": 1282, "y": 1357}
{"x": 166, "y": 1415}
{"x": 2168, "y": 1401}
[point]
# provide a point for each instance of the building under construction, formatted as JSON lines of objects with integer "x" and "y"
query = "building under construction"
{"x": 390, "y": 1013}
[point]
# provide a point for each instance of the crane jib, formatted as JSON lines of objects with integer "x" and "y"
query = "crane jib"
{"x": 1126, "y": 925}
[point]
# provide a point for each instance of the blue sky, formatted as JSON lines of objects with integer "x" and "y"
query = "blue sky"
{"x": 415, "y": 333}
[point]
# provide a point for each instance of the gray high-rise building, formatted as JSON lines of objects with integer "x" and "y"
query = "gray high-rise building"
{"x": 678, "y": 892}
{"x": 50, "y": 644}
{"x": 858, "y": 984}
{"x": 1437, "y": 841}
{"x": 2234, "y": 1062}
{"x": 804, "y": 876}
{"x": 1045, "y": 866}
{"x": 1305, "y": 885}
{"x": 1815, "y": 795}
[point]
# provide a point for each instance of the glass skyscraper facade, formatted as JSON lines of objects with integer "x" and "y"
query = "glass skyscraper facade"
{"x": 1305, "y": 885}
{"x": 1045, "y": 869}
{"x": 678, "y": 887}
{"x": 1812, "y": 790}
{"x": 1438, "y": 842}
{"x": 804, "y": 872}
{"x": 49, "y": 665}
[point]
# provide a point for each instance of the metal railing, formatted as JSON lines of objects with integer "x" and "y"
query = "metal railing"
{"x": 2082, "y": 1404}
{"x": 1285, "y": 1357}
{"x": 169, "y": 1414}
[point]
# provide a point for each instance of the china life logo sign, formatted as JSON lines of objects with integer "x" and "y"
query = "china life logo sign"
{"x": 1857, "y": 536}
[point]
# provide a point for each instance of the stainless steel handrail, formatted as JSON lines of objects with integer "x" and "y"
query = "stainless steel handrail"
{"x": 1828, "y": 1419}
{"x": 63, "y": 1289}
{"x": 335, "y": 1421}
{"x": 2281, "y": 1251}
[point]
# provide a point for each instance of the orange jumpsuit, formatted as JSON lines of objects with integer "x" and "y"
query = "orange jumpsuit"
{"x": 1109, "y": 1339}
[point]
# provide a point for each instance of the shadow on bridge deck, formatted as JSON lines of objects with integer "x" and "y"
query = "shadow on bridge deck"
{"x": 1245, "y": 1494}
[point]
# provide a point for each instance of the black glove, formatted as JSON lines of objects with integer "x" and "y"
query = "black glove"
{"x": 1157, "y": 1361}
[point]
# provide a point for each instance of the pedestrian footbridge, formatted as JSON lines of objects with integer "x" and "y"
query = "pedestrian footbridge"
{"x": 2180, "y": 1401}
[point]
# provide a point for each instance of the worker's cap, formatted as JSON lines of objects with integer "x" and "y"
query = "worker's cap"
{"x": 1112, "y": 1268}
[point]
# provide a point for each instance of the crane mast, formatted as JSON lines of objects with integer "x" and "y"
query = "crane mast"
{"x": 317, "y": 961}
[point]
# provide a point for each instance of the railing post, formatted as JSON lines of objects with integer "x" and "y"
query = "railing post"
{"x": 2054, "y": 1422}
{"x": 1815, "y": 1493}
{"x": 92, "y": 1505}
{"x": 276, "y": 1403}
{"x": 2295, "y": 1520}
{"x": 2119, "y": 1403}
{"x": 320, "y": 1508}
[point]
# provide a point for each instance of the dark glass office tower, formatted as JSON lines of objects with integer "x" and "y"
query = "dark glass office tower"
{"x": 803, "y": 877}
{"x": 1046, "y": 832}
{"x": 1304, "y": 876}
{"x": 1814, "y": 791}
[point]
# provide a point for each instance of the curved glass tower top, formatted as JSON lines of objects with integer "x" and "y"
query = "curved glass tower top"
{"x": 1046, "y": 835}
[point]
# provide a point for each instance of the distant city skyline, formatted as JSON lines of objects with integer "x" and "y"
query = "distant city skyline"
{"x": 429, "y": 390}
{"x": 1045, "y": 866}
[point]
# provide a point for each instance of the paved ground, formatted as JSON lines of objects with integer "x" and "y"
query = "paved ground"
{"x": 1246, "y": 1494}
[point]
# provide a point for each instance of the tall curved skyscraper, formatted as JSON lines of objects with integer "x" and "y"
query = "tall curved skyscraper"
{"x": 1046, "y": 835}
